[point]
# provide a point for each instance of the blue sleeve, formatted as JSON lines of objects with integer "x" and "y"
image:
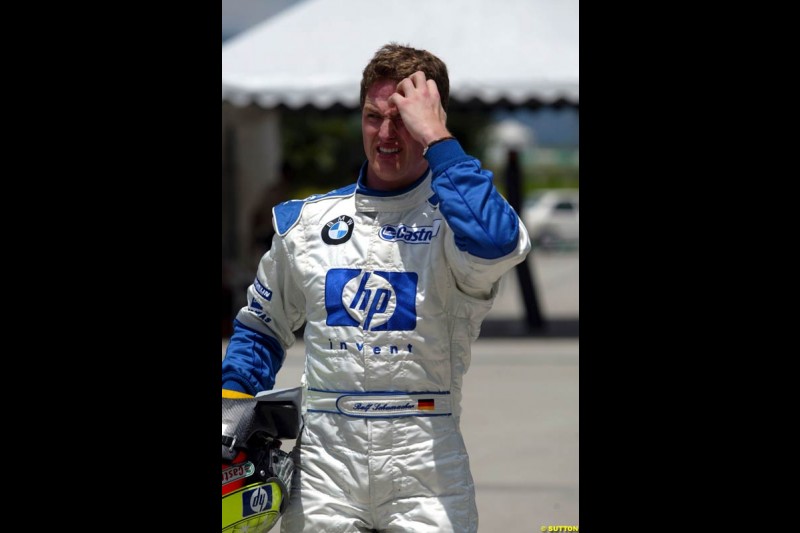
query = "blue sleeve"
{"x": 251, "y": 361}
{"x": 484, "y": 223}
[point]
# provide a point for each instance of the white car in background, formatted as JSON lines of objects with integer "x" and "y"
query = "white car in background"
{"x": 551, "y": 217}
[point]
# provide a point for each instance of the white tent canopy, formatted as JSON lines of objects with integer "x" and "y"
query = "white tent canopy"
{"x": 495, "y": 50}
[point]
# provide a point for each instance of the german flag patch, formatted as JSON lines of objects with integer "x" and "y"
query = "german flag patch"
{"x": 425, "y": 405}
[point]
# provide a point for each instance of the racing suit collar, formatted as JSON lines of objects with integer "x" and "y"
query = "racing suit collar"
{"x": 370, "y": 200}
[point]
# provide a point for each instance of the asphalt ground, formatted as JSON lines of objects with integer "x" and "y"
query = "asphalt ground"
{"x": 520, "y": 404}
{"x": 554, "y": 277}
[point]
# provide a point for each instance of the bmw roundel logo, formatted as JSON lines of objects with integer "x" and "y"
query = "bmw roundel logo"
{"x": 338, "y": 230}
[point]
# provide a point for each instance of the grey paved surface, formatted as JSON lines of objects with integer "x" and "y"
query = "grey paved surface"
{"x": 555, "y": 277}
{"x": 520, "y": 408}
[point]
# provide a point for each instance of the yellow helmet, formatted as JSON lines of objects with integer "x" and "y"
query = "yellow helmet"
{"x": 256, "y": 473}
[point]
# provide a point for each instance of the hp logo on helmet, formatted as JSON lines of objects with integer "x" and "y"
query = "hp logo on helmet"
{"x": 257, "y": 500}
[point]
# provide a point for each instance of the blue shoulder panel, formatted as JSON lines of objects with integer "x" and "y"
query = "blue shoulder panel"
{"x": 287, "y": 213}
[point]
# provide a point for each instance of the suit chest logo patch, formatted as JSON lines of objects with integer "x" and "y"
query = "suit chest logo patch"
{"x": 374, "y": 301}
{"x": 338, "y": 230}
{"x": 410, "y": 234}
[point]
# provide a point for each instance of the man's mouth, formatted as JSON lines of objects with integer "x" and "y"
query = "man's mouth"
{"x": 387, "y": 151}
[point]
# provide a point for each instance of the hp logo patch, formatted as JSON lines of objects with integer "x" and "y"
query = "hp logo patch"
{"x": 257, "y": 500}
{"x": 376, "y": 301}
{"x": 338, "y": 230}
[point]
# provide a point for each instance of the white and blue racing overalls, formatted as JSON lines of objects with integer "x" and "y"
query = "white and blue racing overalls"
{"x": 392, "y": 288}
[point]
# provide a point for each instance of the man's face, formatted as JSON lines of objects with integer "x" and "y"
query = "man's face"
{"x": 395, "y": 158}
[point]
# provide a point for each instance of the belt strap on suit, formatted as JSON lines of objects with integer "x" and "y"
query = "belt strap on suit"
{"x": 380, "y": 404}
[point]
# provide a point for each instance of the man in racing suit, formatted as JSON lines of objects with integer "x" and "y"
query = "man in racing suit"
{"x": 392, "y": 276}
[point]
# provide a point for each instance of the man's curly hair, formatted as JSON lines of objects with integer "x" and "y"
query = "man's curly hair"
{"x": 396, "y": 62}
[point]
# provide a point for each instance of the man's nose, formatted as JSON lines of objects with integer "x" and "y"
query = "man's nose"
{"x": 388, "y": 129}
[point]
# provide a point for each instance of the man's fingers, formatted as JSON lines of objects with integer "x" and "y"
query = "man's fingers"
{"x": 432, "y": 88}
{"x": 395, "y": 97}
{"x": 404, "y": 86}
{"x": 418, "y": 79}
{"x": 415, "y": 81}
